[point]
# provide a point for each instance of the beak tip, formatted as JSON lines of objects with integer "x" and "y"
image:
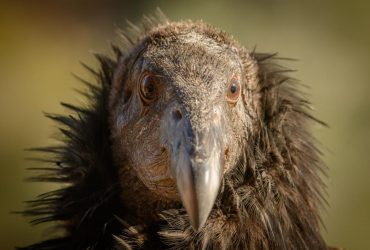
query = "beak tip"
{"x": 195, "y": 226}
{"x": 198, "y": 195}
{"x": 197, "y": 223}
{"x": 197, "y": 171}
{"x": 199, "y": 212}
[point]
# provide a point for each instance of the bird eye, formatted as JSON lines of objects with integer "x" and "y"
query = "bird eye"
{"x": 233, "y": 91}
{"x": 148, "y": 88}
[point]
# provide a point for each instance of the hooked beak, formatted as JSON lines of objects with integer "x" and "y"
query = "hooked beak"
{"x": 196, "y": 165}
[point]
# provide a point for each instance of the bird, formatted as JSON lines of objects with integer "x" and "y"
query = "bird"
{"x": 188, "y": 140}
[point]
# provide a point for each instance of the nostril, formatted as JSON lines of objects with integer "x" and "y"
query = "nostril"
{"x": 227, "y": 153}
{"x": 177, "y": 115}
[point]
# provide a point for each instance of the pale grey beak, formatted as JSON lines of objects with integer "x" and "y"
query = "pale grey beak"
{"x": 196, "y": 165}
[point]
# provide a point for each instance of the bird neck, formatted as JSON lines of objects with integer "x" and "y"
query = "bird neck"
{"x": 141, "y": 205}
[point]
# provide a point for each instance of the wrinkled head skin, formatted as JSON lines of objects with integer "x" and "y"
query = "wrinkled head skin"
{"x": 191, "y": 141}
{"x": 182, "y": 113}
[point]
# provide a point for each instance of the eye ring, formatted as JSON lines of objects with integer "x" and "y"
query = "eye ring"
{"x": 233, "y": 91}
{"x": 148, "y": 85}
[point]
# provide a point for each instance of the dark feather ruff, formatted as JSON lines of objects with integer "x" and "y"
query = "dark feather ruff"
{"x": 270, "y": 201}
{"x": 83, "y": 164}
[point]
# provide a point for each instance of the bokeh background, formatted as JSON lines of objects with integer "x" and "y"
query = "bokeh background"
{"x": 42, "y": 43}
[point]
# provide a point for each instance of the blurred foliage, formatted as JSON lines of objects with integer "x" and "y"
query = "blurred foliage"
{"x": 42, "y": 42}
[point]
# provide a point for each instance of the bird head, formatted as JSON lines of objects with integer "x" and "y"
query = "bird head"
{"x": 185, "y": 117}
{"x": 180, "y": 114}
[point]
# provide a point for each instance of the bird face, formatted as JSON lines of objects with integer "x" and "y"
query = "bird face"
{"x": 178, "y": 117}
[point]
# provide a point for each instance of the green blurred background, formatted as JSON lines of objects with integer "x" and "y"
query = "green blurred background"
{"x": 42, "y": 42}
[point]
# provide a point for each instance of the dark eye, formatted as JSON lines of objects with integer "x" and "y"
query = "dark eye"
{"x": 233, "y": 91}
{"x": 148, "y": 88}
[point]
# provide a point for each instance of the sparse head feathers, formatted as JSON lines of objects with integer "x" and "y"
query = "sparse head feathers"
{"x": 190, "y": 142}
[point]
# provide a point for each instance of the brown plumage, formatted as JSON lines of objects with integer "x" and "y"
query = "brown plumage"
{"x": 190, "y": 141}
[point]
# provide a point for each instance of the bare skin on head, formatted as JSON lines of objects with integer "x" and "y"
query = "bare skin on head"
{"x": 190, "y": 141}
{"x": 178, "y": 116}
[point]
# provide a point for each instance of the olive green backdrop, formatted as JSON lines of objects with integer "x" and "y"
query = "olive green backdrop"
{"x": 42, "y": 42}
